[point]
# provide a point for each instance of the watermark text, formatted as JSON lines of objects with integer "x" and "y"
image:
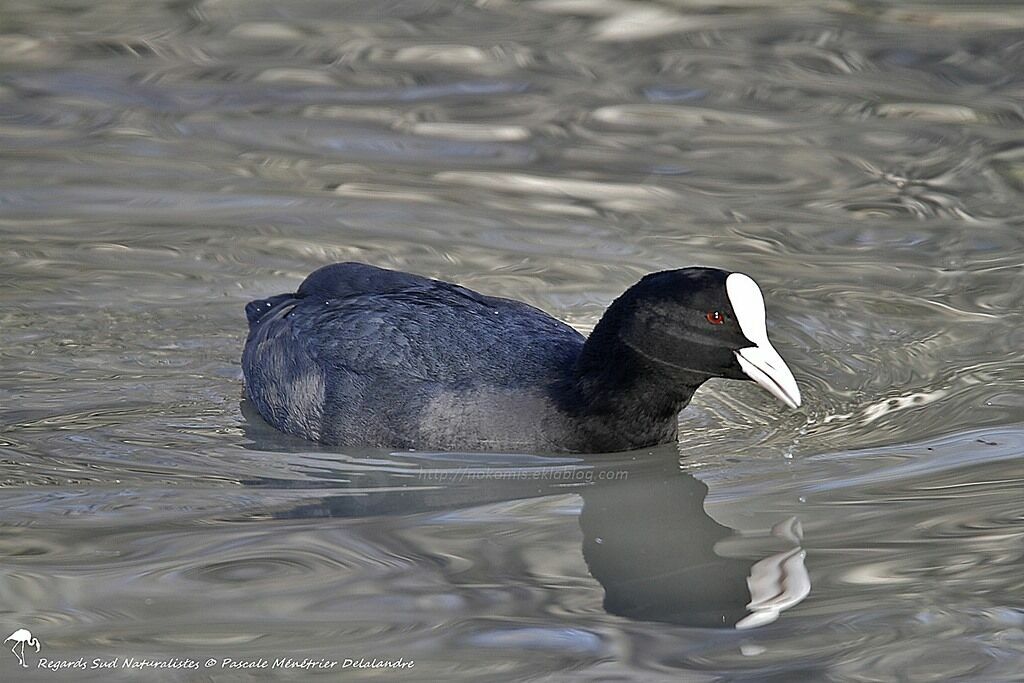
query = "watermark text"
{"x": 221, "y": 663}
{"x": 577, "y": 475}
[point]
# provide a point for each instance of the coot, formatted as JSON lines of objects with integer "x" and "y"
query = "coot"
{"x": 363, "y": 356}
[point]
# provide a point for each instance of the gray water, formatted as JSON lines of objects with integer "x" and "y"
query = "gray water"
{"x": 164, "y": 163}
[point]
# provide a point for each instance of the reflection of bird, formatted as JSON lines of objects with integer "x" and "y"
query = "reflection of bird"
{"x": 362, "y": 356}
{"x": 20, "y": 637}
{"x": 647, "y": 538}
{"x": 650, "y": 543}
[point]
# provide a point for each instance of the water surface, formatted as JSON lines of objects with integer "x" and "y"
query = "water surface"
{"x": 164, "y": 163}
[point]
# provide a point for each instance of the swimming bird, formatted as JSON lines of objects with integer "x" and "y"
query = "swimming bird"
{"x": 364, "y": 356}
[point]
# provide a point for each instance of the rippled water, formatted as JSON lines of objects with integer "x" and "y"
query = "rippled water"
{"x": 163, "y": 163}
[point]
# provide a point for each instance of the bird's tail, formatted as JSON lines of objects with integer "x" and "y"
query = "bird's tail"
{"x": 256, "y": 310}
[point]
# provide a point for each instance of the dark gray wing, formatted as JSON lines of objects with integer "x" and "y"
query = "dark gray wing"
{"x": 434, "y": 334}
{"x": 360, "y": 344}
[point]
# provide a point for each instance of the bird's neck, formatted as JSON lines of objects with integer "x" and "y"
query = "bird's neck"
{"x": 622, "y": 398}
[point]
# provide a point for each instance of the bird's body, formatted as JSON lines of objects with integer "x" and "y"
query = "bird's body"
{"x": 365, "y": 356}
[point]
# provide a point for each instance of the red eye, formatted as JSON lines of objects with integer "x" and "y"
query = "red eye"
{"x": 715, "y": 317}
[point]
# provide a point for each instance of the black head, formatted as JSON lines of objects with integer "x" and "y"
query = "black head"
{"x": 701, "y": 322}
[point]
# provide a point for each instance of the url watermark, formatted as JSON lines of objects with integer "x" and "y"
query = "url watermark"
{"x": 557, "y": 474}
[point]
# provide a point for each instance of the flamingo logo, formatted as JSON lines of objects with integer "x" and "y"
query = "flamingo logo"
{"x": 21, "y": 637}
